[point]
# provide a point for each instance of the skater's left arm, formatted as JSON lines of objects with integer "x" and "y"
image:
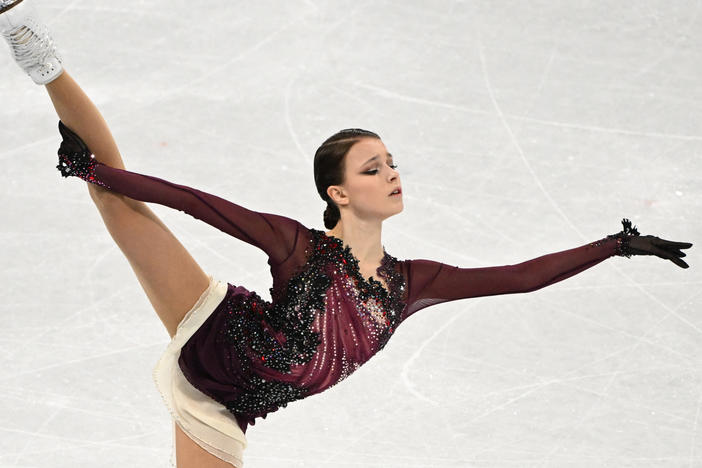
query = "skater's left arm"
{"x": 431, "y": 282}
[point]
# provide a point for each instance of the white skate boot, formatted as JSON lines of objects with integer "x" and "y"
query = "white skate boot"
{"x": 32, "y": 46}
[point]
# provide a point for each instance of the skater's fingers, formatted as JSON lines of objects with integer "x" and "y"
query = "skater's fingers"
{"x": 677, "y": 245}
{"x": 673, "y": 250}
{"x": 668, "y": 255}
{"x": 679, "y": 262}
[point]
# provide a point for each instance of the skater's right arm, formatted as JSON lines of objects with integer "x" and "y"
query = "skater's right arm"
{"x": 274, "y": 234}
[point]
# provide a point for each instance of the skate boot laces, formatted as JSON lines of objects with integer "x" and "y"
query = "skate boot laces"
{"x": 31, "y": 43}
{"x": 7, "y": 4}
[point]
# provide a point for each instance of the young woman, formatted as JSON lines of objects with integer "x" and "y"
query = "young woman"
{"x": 337, "y": 295}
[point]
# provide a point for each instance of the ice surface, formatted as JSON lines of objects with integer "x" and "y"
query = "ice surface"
{"x": 519, "y": 128}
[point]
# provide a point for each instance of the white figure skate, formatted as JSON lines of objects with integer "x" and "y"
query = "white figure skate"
{"x": 7, "y": 4}
{"x": 32, "y": 46}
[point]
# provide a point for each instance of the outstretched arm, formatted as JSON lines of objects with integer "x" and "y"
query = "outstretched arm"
{"x": 274, "y": 234}
{"x": 431, "y": 282}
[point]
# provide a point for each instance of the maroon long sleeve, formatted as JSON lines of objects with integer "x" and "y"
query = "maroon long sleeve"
{"x": 431, "y": 282}
{"x": 274, "y": 234}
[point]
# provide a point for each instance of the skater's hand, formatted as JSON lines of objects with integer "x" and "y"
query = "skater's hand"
{"x": 72, "y": 145}
{"x": 652, "y": 245}
{"x": 75, "y": 158}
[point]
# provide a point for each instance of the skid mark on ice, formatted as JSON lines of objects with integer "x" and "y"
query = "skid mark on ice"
{"x": 415, "y": 100}
{"x": 22, "y": 149}
{"x": 367, "y": 435}
{"x": 407, "y": 366}
{"x": 355, "y": 96}
{"x": 619, "y": 331}
{"x": 566, "y": 376}
{"x": 115, "y": 352}
{"x": 624, "y": 362}
{"x": 672, "y": 48}
{"x": 560, "y": 381}
{"x": 695, "y": 434}
{"x": 456, "y": 217}
{"x": 516, "y": 144}
{"x": 643, "y": 283}
{"x": 563, "y": 215}
{"x": 290, "y": 86}
{"x": 68, "y": 443}
{"x": 176, "y": 91}
{"x": 468, "y": 194}
{"x": 206, "y": 244}
{"x": 546, "y": 382}
{"x": 553, "y": 123}
{"x": 228, "y": 64}
{"x": 50, "y": 417}
{"x": 71, "y": 403}
{"x": 51, "y": 19}
{"x": 648, "y": 294}
{"x": 544, "y": 73}
{"x": 627, "y": 350}
{"x": 618, "y": 131}
{"x": 288, "y": 119}
{"x": 59, "y": 327}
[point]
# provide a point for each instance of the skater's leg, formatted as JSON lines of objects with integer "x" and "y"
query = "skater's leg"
{"x": 171, "y": 278}
{"x": 169, "y": 275}
{"x": 190, "y": 455}
{"x": 78, "y": 113}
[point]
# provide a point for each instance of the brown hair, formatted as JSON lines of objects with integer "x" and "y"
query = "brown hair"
{"x": 329, "y": 163}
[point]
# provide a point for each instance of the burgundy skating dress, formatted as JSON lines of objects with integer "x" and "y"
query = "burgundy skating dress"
{"x": 325, "y": 319}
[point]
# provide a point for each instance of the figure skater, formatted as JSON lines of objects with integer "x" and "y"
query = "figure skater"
{"x": 337, "y": 295}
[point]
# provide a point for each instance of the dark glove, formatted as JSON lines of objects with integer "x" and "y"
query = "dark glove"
{"x": 634, "y": 244}
{"x": 75, "y": 158}
{"x": 74, "y": 154}
{"x": 652, "y": 245}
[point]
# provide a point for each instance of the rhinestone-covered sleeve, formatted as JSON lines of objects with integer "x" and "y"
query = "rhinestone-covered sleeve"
{"x": 432, "y": 282}
{"x": 622, "y": 238}
{"x": 274, "y": 234}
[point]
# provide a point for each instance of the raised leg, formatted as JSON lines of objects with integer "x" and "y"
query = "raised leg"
{"x": 171, "y": 278}
{"x": 169, "y": 275}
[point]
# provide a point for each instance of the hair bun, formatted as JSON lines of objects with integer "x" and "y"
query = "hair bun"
{"x": 331, "y": 215}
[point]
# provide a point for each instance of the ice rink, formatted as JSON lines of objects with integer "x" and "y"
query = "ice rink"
{"x": 519, "y": 128}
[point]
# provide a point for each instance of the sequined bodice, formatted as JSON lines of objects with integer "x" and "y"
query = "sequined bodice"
{"x": 328, "y": 322}
{"x": 351, "y": 293}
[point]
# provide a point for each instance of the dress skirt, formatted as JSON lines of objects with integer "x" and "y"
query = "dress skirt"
{"x": 203, "y": 419}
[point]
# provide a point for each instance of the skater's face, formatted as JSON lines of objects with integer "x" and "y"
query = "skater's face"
{"x": 370, "y": 177}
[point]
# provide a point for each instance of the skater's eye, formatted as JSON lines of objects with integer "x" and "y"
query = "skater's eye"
{"x": 375, "y": 171}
